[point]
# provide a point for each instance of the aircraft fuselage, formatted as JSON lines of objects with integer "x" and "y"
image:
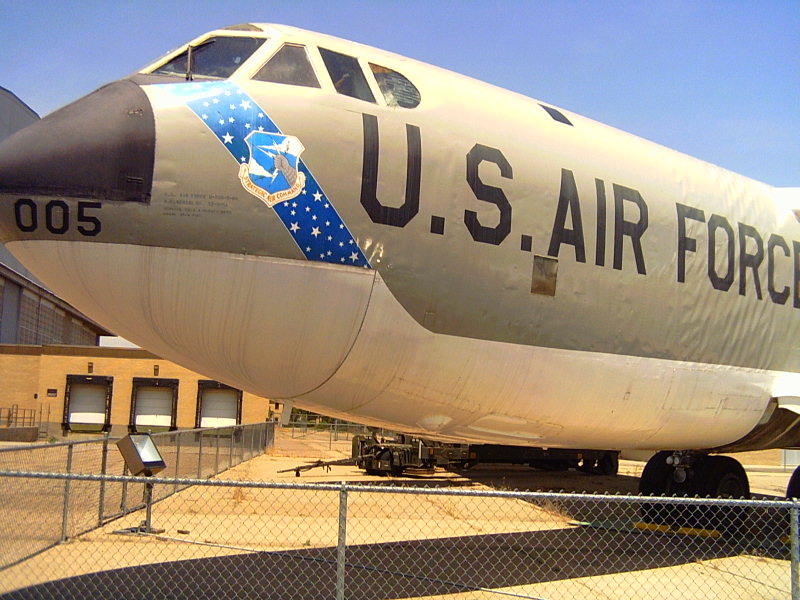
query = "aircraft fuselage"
{"x": 479, "y": 266}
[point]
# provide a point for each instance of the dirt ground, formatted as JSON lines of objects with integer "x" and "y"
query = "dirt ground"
{"x": 212, "y": 536}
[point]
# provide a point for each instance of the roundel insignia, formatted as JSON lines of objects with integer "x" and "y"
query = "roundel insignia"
{"x": 272, "y": 172}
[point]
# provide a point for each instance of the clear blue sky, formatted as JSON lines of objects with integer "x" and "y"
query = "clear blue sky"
{"x": 719, "y": 80}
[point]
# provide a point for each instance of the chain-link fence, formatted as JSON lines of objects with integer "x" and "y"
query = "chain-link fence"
{"x": 231, "y": 539}
{"x": 37, "y": 514}
{"x": 332, "y": 430}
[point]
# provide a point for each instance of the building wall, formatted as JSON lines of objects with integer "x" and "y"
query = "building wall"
{"x": 14, "y": 114}
{"x": 19, "y": 377}
{"x": 31, "y": 314}
{"x": 35, "y": 377}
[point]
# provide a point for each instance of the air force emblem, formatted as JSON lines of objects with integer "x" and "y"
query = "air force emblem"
{"x": 272, "y": 173}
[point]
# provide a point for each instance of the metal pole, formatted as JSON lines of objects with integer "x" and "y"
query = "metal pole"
{"x": 341, "y": 543}
{"x": 216, "y": 457}
{"x": 65, "y": 512}
{"x": 794, "y": 544}
{"x": 148, "y": 500}
{"x": 103, "y": 466}
{"x": 123, "y": 502}
{"x": 230, "y": 448}
{"x": 177, "y": 459}
{"x": 200, "y": 456}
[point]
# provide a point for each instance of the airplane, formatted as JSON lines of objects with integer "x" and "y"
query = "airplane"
{"x": 377, "y": 239}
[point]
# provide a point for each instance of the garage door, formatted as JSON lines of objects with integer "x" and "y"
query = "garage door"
{"x": 153, "y": 407}
{"x": 87, "y": 403}
{"x": 218, "y": 407}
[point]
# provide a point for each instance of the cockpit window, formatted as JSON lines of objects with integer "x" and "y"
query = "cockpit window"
{"x": 396, "y": 88}
{"x": 216, "y": 57}
{"x": 289, "y": 65}
{"x": 347, "y": 76}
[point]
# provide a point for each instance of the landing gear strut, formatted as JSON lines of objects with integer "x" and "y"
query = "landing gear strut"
{"x": 694, "y": 474}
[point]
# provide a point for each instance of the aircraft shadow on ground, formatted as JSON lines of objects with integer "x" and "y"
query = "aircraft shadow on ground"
{"x": 399, "y": 569}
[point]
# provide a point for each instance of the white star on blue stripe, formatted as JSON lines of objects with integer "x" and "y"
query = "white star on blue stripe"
{"x": 310, "y": 218}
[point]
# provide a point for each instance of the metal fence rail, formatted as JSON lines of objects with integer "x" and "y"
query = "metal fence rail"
{"x": 244, "y": 539}
{"x": 336, "y": 430}
{"x": 15, "y": 416}
{"x": 42, "y": 513}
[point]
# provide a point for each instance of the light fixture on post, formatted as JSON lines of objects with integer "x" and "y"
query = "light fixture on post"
{"x": 142, "y": 458}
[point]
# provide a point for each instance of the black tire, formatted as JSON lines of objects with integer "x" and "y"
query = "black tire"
{"x": 722, "y": 477}
{"x": 793, "y": 489}
{"x": 655, "y": 481}
{"x": 656, "y": 474}
{"x": 719, "y": 477}
{"x": 608, "y": 464}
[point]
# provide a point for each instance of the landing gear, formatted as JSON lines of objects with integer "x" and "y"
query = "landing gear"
{"x": 607, "y": 464}
{"x": 793, "y": 489}
{"x": 694, "y": 474}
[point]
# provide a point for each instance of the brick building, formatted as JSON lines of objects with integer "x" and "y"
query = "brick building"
{"x": 94, "y": 389}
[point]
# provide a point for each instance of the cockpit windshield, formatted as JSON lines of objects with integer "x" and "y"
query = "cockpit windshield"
{"x": 215, "y": 57}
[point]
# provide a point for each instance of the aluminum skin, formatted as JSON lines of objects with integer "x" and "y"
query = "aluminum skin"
{"x": 670, "y": 318}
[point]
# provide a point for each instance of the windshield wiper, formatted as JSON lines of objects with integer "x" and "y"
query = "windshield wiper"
{"x": 190, "y": 56}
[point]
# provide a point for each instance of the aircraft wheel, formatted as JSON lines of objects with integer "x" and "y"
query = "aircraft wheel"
{"x": 712, "y": 476}
{"x": 608, "y": 464}
{"x": 719, "y": 477}
{"x": 722, "y": 477}
{"x": 793, "y": 489}
{"x": 656, "y": 475}
{"x": 655, "y": 481}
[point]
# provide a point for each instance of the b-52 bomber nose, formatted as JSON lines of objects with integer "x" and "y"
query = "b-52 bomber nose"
{"x": 100, "y": 147}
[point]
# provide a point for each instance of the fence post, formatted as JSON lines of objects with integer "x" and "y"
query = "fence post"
{"x": 65, "y": 512}
{"x": 200, "y": 456}
{"x": 177, "y": 459}
{"x": 795, "y": 550}
{"x": 103, "y": 466}
{"x": 341, "y": 543}
{"x": 252, "y": 433}
{"x": 230, "y": 447}
{"x": 123, "y": 501}
{"x": 216, "y": 457}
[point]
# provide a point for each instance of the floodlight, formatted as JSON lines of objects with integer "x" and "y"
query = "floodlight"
{"x": 142, "y": 458}
{"x": 141, "y": 455}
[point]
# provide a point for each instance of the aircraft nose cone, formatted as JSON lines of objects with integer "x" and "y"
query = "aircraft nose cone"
{"x": 100, "y": 147}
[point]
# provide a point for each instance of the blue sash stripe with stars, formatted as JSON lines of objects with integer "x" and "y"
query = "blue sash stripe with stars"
{"x": 310, "y": 218}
